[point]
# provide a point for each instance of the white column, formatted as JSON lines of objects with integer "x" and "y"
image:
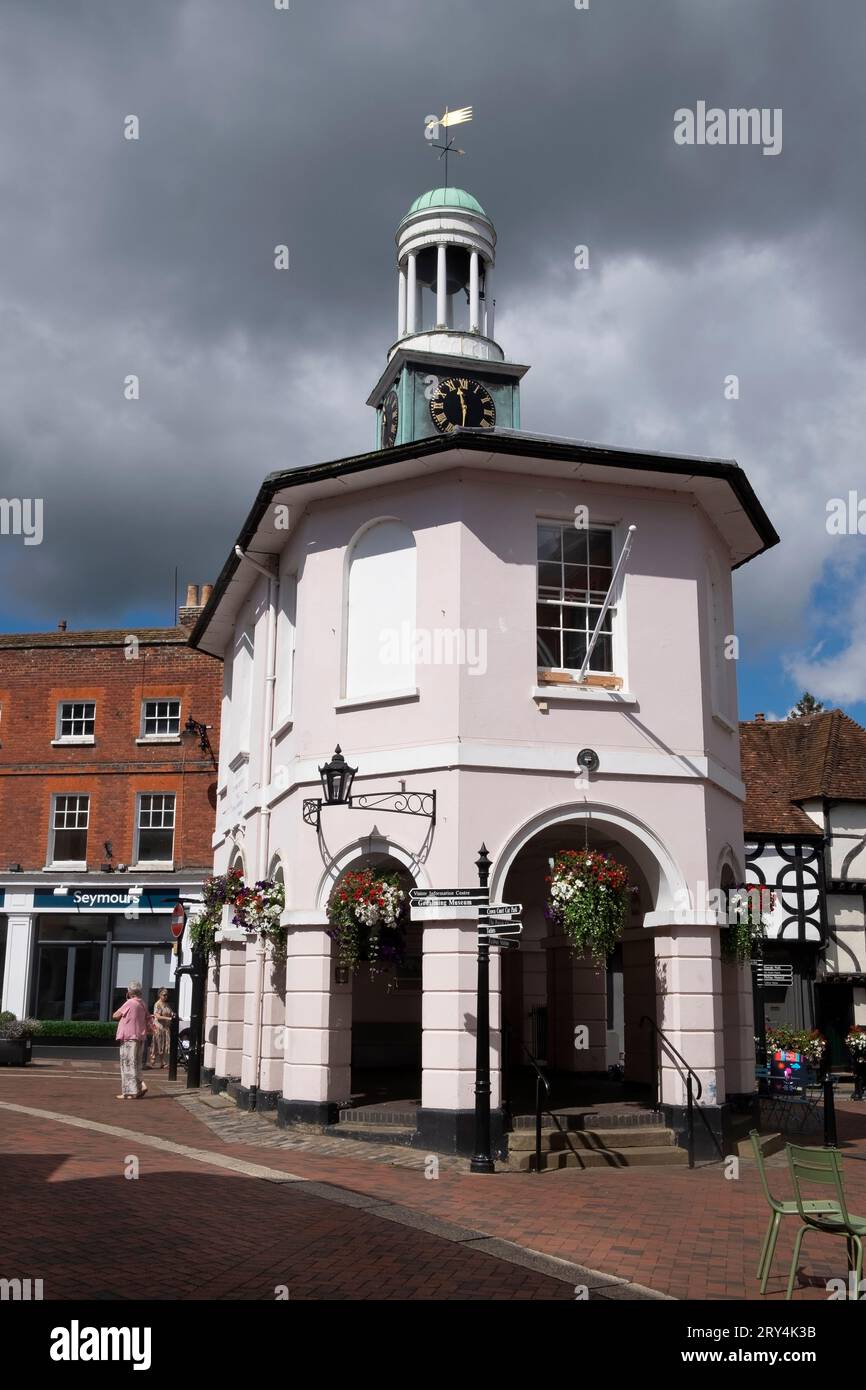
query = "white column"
{"x": 739, "y": 1021}
{"x": 211, "y": 1015}
{"x": 450, "y": 983}
{"x": 19, "y": 950}
{"x": 317, "y": 1066}
{"x": 412, "y": 295}
{"x": 474, "y": 299}
{"x": 230, "y": 1018}
{"x": 689, "y": 1008}
{"x": 488, "y": 302}
{"x": 441, "y": 284}
{"x": 401, "y": 303}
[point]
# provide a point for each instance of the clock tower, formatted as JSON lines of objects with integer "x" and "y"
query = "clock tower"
{"x": 446, "y": 371}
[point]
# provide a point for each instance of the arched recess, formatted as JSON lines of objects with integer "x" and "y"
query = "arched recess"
{"x": 379, "y": 611}
{"x": 665, "y": 880}
{"x": 369, "y": 849}
{"x": 580, "y": 1016}
{"x": 386, "y": 1010}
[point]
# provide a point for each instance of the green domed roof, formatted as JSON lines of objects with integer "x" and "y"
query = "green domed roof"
{"x": 446, "y": 198}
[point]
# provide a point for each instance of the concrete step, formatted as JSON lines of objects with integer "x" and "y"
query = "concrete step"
{"x": 575, "y": 1117}
{"x": 370, "y": 1133}
{"x": 666, "y": 1155}
{"x": 637, "y": 1137}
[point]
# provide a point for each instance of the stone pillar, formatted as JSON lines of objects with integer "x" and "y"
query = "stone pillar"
{"x": 211, "y": 1015}
{"x": 20, "y": 936}
{"x": 317, "y": 1059}
{"x": 441, "y": 286}
{"x": 474, "y": 294}
{"x": 488, "y": 302}
{"x": 450, "y": 981}
{"x": 739, "y": 1021}
{"x": 412, "y": 295}
{"x": 689, "y": 1008}
{"x": 401, "y": 303}
{"x": 272, "y": 1021}
{"x": 230, "y": 1017}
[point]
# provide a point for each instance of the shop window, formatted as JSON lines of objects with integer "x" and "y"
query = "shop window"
{"x": 70, "y": 820}
{"x": 76, "y": 720}
{"x": 160, "y": 719}
{"x": 155, "y": 828}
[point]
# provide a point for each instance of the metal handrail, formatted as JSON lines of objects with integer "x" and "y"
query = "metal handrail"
{"x": 690, "y": 1072}
{"x": 540, "y": 1080}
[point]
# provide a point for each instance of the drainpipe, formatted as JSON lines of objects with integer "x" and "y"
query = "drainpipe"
{"x": 265, "y": 761}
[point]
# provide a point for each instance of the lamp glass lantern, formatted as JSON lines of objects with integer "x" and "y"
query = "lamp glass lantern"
{"x": 337, "y": 777}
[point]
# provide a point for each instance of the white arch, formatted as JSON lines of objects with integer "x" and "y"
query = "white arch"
{"x": 368, "y": 844}
{"x": 728, "y": 856}
{"x": 650, "y": 853}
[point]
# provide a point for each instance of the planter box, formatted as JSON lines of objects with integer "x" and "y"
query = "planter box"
{"x": 15, "y": 1052}
{"x": 71, "y": 1041}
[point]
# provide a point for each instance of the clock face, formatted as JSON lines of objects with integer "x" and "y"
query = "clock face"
{"x": 462, "y": 401}
{"x": 390, "y": 419}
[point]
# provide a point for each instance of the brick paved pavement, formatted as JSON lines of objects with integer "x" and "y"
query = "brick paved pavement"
{"x": 687, "y": 1234}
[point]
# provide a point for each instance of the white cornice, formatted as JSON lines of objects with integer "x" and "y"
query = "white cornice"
{"x": 543, "y": 759}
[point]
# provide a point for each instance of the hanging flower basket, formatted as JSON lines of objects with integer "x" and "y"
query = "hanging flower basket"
{"x": 216, "y": 891}
{"x": 748, "y": 905}
{"x": 808, "y": 1041}
{"x": 589, "y": 900}
{"x": 855, "y": 1041}
{"x": 259, "y": 909}
{"x": 367, "y": 913}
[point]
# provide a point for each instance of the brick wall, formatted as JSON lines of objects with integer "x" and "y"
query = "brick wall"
{"x": 38, "y": 672}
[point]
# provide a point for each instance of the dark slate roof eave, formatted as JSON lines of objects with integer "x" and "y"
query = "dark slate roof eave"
{"x": 508, "y": 442}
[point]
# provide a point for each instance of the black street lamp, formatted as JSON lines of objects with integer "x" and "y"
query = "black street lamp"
{"x": 337, "y": 778}
{"x": 193, "y": 729}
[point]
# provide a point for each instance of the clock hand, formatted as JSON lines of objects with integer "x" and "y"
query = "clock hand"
{"x": 462, "y": 405}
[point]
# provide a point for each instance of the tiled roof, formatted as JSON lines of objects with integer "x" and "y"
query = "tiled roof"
{"x": 793, "y": 760}
{"x": 106, "y": 638}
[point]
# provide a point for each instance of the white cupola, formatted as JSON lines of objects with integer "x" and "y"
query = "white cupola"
{"x": 446, "y": 250}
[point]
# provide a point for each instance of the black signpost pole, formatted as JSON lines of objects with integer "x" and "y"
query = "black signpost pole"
{"x": 482, "y": 1159}
{"x": 198, "y": 975}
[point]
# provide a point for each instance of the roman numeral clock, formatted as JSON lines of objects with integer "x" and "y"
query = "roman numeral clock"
{"x": 445, "y": 371}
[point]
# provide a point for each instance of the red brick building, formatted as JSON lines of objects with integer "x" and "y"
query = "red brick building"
{"x": 108, "y": 771}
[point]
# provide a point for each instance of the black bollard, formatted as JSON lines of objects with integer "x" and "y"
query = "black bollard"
{"x": 830, "y": 1140}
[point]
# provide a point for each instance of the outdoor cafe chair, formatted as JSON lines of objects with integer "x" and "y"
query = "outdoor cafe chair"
{"x": 778, "y": 1209}
{"x": 823, "y": 1167}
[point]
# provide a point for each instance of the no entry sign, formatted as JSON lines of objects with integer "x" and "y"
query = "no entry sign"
{"x": 178, "y": 922}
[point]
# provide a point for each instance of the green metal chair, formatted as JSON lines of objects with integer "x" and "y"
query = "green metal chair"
{"x": 778, "y": 1210}
{"x": 824, "y": 1167}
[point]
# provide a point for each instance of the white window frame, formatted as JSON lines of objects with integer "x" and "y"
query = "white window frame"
{"x": 161, "y": 864}
{"x": 616, "y": 610}
{"x": 145, "y": 737}
{"x": 60, "y": 738}
{"x": 53, "y": 828}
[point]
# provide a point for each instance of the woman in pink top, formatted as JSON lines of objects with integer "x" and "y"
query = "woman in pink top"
{"x": 132, "y": 1030}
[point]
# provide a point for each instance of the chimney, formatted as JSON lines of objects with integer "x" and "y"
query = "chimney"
{"x": 760, "y": 719}
{"x": 189, "y": 614}
{"x": 61, "y": 626}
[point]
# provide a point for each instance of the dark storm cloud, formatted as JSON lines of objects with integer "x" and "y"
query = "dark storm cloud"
{"x": 259, "y": 127}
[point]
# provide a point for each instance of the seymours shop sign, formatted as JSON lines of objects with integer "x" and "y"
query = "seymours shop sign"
{"x": 84, "y": 899}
